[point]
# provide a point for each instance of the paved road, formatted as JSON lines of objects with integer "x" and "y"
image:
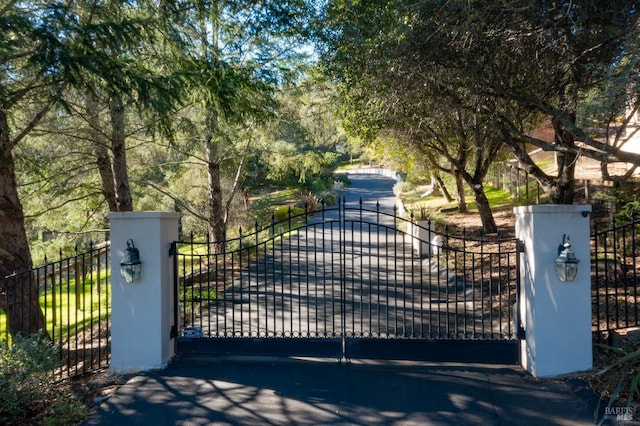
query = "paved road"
{"x": 315, "y": 392}
{"x": 372, "y": 190}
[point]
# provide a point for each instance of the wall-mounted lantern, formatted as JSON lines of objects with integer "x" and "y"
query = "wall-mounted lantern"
{"x": 566, "y": 262}
{"x": 130, "y": 265}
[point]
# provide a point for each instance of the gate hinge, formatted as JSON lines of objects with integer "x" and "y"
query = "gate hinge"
{"x": 172, "y": 250}
{"x": 522, "y": 334}
{"x": 174, "y": 332}
{"x": 520, "y": 246}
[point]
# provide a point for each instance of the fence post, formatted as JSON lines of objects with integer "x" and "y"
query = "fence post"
{"x": 556, "y": 315}
{"x": 587, "y": 190}
{"x": 142, "y": 312}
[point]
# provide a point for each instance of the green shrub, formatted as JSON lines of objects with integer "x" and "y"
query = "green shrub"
{"x": 421, "y": 212}
{"x": 629, "y": 210}
{"x": 318, "y": 185}
{"x": 23, "y": 372}
{"x": 328, "y": 198}
{"x": 401, "y": 187}
{"x": 27, "y": 390}
{"x": 342, "y": 179}
{"x": 307, "y": 200}
{"x": 622, "y": 200}
{"x": 282, "y": 213}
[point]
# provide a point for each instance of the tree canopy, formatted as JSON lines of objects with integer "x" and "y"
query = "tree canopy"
{"x": 519, "y": 61}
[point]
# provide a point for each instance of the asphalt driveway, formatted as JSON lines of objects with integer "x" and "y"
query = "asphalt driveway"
{"x": 260, "y": 391}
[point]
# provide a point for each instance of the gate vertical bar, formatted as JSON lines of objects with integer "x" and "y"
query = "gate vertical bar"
{"x": 361, "y": 248}
{"x": 635, "y": 270}
{"x": 519, "y": 331}
{"x": 342, "y": 275}
{"x": 596, "y": 282}
{"x": 395, "y": 270}
{"x": 324, "y": 272}
{"x": 176, "y": 300}
{"x": 378, "y": 255}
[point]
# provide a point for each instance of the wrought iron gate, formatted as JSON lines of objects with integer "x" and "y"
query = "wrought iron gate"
{"x": 349, "y": 281}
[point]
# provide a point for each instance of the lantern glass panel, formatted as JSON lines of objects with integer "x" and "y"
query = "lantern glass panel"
{"x": 131, "y": 273}
{"x": 130, "y": 265}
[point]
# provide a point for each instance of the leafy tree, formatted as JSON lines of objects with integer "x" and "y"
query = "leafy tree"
{"x": 235, "y": 53}
{"x": 30, "y": 48}
{"x": 468, "y": 146}
{"x": 47, "y": 50}
{"x": 522, "y": 60}
{"x": 544, "y": 57}
{"x": 239, "y": 91}
{"x": 301, "y": 141}
{"x": 449, "y": 129}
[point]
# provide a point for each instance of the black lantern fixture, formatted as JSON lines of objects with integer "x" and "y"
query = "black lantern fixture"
{"x": 130, "y": 265}
{"x": 566, "y": 262}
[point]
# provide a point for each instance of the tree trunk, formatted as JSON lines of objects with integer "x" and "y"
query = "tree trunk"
{"x": 119, "y": 151}
{"x": 443, "y": 189}
{"x": 236, "y": 184}
{"x": 547, "y": 183}
{"x": 18, "y": 298}
{"x": 462, "y": 201}
{"x": 101, "y": 152}
{"x": 564, "y": 191}
{"x": 484, "y": 209}
{"x": 215, "y": 210}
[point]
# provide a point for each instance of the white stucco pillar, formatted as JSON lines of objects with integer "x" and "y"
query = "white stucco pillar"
{"x": 556, "y": 315}
{"x": 141, "y": 312}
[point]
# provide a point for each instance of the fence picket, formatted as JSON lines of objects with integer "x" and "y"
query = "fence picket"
{"x": 75, "y": 301}
{"x": 614, "y": 277}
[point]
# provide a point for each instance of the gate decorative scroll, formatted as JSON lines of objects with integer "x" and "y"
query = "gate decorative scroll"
{"x": 349, "y": 281}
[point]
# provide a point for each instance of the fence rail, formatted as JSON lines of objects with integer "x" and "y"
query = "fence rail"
{"x": 614, "y": 276}
{"x": 74, "y": 297}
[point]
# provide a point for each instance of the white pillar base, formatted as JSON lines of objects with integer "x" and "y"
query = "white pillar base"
{"x": 556, "y": 315}
{"x": 141, "y": 312}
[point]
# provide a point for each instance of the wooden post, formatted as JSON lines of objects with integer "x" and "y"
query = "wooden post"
{"x": 587, "y": 190}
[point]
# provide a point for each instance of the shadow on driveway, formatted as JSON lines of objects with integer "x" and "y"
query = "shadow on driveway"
{"x": 261, "y": 391}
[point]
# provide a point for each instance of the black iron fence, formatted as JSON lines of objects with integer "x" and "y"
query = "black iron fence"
{"x": 615, "y": 256}
{"x": 349, "y": 272}
{"x": 74, "y": 293}
{"x": 73, "y": 296}
{"x": 489, "y": 266}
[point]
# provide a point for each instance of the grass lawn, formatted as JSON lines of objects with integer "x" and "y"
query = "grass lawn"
{"x": 498, "y": 198}
{"x": 69, "y": 308}
{"x": 433, "y": 204}
{"x": 268, "y": 200}
{"x": 3, "y": 325}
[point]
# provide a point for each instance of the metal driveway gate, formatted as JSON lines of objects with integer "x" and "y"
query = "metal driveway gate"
{"x": 349, "y": 282}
